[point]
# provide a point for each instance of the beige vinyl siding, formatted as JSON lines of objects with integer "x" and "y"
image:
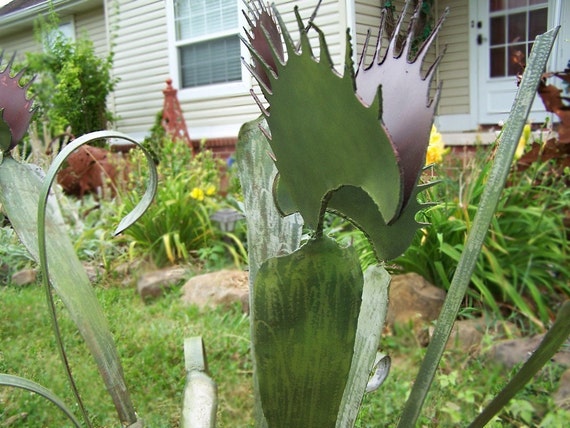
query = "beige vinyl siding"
{"x": 331, "y": 20}
{"x": 20, "y": 42}
{"x": 92, "y": 24}
{"x": 140, "y": 62}
{"x": 211, "y": 115}
{"x": 367, "y": 17}
{"x": 454, "y": 68}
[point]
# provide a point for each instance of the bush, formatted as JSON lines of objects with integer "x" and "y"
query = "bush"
{"x": 72, "y": 83}
{"x": 177, "y": 226}
{"x": 523, "y": 267}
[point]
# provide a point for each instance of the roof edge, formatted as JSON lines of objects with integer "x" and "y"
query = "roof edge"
{"x": 23, "y": 18}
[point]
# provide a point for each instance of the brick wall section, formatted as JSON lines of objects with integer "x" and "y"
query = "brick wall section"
{"x": 222, "y": 147}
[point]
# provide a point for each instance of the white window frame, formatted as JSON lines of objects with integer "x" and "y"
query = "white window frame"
{"x": 67, "y": 28}
{"x": 216, "y": 90}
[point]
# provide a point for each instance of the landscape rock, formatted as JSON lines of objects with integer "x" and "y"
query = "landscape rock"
{"x": 222, "y": 288}
{"x": 93, "y": 272}
{"x": 468, "y": 334}
{"x": 512, "y": 352}
{"x": 411, "y": 299}
{"x": 24, "y": 277}
{"x": 153, "y": 284}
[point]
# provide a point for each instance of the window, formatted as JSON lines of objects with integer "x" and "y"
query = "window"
{"x": 514, "y": 26}
{"x": 207, "y": 42}
{"x": 65, "y": 29}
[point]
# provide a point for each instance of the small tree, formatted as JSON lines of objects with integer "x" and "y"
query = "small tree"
{"x": 73, "y": 83}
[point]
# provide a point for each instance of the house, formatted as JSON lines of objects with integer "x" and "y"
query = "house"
{"x": 195, "y": 43}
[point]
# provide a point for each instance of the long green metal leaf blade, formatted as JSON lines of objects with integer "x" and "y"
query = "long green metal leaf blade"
{"x": 370, "y": 323}
{"x": 70, "y": 280}
{"x": 269, "y": 234}
{"x": 306, "y": 306}
{"x": 19, "y": 382}
{"x": 489, "y": 200}
{"x": 19, "y": 194}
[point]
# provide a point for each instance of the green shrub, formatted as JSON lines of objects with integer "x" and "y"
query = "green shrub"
{"x": 177, "y": 227}
{"x": 523, "y": 267}
{"x": 72, "y": 82}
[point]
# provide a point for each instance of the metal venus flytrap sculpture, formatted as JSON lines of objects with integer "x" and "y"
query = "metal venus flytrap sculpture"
{"x": 353, "y": 144}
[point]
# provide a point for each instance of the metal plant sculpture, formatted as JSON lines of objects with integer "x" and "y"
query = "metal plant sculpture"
{"x": 37, "y": 220}
{"x": 15, "y": 109}
{"x": 353, "y": 144}
{"x": 333, "y": 151}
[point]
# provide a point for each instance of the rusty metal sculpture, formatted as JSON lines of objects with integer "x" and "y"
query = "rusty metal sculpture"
{"x": 172, "y": 117}
{"x": 16, "y": 109}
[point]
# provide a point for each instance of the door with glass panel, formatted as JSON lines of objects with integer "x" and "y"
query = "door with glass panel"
{"x": 506, "y": 30}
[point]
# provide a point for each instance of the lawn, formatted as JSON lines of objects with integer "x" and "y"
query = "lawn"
{"x": 150, "y": 337}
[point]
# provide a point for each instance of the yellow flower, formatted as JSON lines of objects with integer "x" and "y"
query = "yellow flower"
{"x": 436, "y": 149}
{"x": 525, "y": 137}
{"x": 210, "y": 190}
{"x": 197, "y": 194}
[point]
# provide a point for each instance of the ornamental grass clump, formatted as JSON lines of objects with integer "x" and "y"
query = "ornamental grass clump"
{"x": 179, "y": 225}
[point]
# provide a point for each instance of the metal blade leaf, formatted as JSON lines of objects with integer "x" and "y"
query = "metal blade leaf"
{"x": 323, "y": 136}
{"x": 19, "y": 382}
{"x": 306, "y": 307}
{"x": 19, "y": 194}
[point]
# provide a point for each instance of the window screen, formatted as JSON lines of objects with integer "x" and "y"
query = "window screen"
{"x": 208, "y": 42}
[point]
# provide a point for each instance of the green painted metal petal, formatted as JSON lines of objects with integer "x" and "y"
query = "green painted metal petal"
{"x": 323, "y": 137}
{"x": 19, "y": 382}
{"x": 370, "y": 325}
{"x": 268, "y": 233}
{"x": 389, "y": 240}
{"x": 19, "y": 194}
{"x": 5, "y": 134}
{"x": 306, "y": 306}
{"x": 69, "y": 279}
{"x": 24, "y": 195}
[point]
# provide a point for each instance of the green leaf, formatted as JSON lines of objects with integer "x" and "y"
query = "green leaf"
{"x": 19, "y": 382}
{"x": 24, "y": 194}
{"x": 370, "y": 325}
{"x": 268, "y": 233}
{"x": 323, "y": 136}
{"x": 389, "y": 240}
{"x": 486, "y": 210}
{"x": 306, "y": 305}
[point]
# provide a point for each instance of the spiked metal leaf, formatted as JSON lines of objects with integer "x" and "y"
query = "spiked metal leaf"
{"x": 323, "y": 137}
{"x": 15, "y": 107}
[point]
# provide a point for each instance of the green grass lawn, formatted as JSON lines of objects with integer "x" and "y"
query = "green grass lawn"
{"x": 150, "y": 341}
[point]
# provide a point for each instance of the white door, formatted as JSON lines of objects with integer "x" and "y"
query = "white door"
{"x": 506, "y": 30}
